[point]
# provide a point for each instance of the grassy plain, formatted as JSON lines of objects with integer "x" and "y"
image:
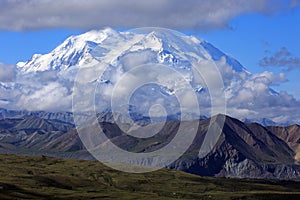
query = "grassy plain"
{"x": 40, "y": 177}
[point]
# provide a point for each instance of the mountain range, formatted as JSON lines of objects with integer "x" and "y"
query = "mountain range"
{"x": 243, "y": 150}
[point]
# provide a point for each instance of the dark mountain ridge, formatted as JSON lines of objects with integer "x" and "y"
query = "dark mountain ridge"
{"x": 242, "y": 150}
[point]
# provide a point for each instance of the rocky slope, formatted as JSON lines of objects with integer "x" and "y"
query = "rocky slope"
{"x": 289, "y": 134}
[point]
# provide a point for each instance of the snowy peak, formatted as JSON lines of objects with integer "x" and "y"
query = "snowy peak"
{"x": 150, "y": 41}
{"x": 73, "y": 51}
{"x": 87, "y": 49}
{"x": 115, "y": 53}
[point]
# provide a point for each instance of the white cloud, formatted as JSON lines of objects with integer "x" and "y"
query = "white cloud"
{"x": 7, "y": 73}
{"x": 51, "y": 97}
{"x": 89, "y": 14}
{"x": 248, "y": 95}
{"x": 254, "y": 98}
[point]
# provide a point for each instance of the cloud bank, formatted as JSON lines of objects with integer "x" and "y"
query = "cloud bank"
{"x": 20, "y": 15}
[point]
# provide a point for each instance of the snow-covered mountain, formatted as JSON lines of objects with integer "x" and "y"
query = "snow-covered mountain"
{"x": 81, "y": 50}
{"x": 48, "y": 80}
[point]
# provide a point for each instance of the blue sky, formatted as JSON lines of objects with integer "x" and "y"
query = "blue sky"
{"x": 246, "y": 34}
{"x": 253, "y": 34}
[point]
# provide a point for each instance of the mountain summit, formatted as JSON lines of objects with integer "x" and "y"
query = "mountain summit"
{"x": 48, "y": 79}
{"x": 77, "y": 50}
{"x": 74, "y": 51}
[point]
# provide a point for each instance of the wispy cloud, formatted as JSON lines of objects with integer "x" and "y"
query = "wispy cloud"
{"x": 190, "y": 14}
{"x": 282, "y": 58}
